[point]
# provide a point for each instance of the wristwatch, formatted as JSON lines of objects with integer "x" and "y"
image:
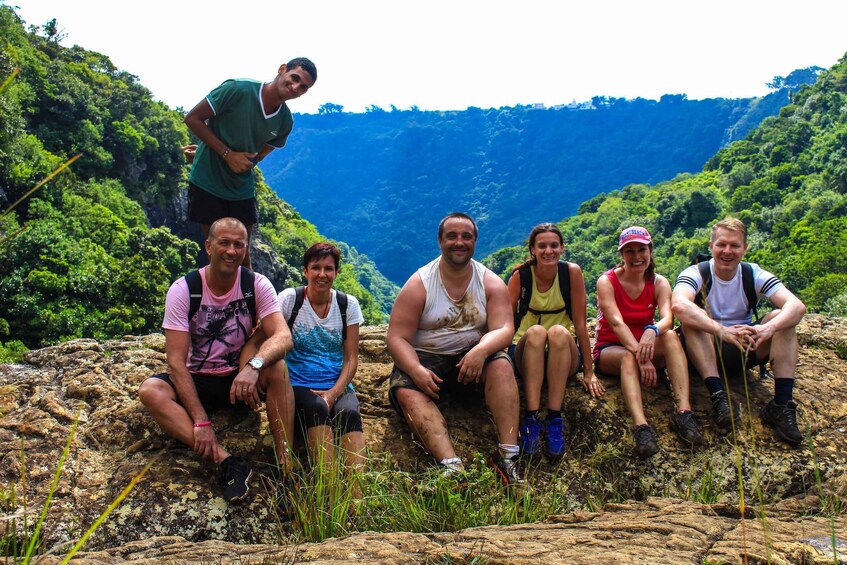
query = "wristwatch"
{"x": 256, "y": 363}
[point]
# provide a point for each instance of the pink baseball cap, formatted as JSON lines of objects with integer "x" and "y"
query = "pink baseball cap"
{"x": 635, "y": 234}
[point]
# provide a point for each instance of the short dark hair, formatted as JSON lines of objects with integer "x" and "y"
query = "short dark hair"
{"x": 228, "y": 222}
{"x": 460, "y": 215}
{"x": 305, "y": 64}
{"x": 320, "y": 250}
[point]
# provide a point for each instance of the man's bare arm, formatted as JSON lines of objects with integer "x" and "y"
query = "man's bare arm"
{"x": 278, "y": 339}
{"x": 689, "y": 314}
{"x": 791, "y": 309}
{"x": 501, "y": 324}
{"x": 404, "y": 322}
{"x": 277, "y": 343}
{"x": 238, "y": 161}
{"x": 501, "y": 329}
{"x": 405, "y": 318}
{"x": 177, "y": 344}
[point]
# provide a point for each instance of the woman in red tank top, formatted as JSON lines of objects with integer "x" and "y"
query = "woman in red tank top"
{"x": 632, "y": 345}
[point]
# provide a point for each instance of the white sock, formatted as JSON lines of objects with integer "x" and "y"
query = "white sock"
{"x": 452, "y": 463}
{"x": 508, "y": 451}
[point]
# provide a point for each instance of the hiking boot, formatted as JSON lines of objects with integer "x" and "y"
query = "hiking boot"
{"x": 646, "y": 444}
{"x": 724, "y": 413}
{"x": 685, "y": 425}
{"x": 509, "y": 470}
{"x": 234, "y": 478}
{"x": 554, "y": 437}
{"x": 783, "y": 419}
{"x": 530, "y": 435}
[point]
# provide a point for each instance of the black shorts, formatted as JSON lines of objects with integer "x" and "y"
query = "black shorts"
{"x": 730, "y": 359}
{"x": 445, "y": 367}
{"x": 213, "y": 392}
{"x": 206, "y": 208}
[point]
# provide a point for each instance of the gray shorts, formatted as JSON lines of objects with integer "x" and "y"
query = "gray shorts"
{"x": 445, "y": 367}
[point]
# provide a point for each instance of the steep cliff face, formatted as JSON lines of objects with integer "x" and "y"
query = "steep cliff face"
{"x": 176, "y": 513}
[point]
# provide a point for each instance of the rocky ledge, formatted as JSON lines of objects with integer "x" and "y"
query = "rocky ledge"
{"x": 174, "y": 514}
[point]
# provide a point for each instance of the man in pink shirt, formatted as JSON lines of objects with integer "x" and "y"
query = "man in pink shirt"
{"x": 204, "y": 339}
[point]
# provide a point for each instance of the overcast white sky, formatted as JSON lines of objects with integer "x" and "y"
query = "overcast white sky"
{"x": 443, "y": 55}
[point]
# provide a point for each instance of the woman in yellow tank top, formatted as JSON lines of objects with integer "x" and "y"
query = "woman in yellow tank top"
{"x": 548, "y": 344}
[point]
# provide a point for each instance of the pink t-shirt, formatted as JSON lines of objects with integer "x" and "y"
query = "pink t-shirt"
{"x": 221, "y": 325}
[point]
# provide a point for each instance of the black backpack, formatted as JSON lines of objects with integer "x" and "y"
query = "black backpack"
{"x": 195, "y": 292}
{"x": 300, "y": 296}
{"x": 747, "y": 281}
{"x": 526, "y": 293}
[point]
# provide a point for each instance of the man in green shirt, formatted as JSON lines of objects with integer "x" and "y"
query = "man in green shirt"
{"x": 237, "y": 125}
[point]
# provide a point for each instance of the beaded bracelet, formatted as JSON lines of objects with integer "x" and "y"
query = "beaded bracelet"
{"x": 652, "y": 327}
{"x": 205, "y": 424}
{"x": 225, "y": 153}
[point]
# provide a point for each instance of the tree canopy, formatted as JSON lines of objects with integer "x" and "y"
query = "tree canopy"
{"x": 93, "y": 251}
{"x": 787, "y": 180}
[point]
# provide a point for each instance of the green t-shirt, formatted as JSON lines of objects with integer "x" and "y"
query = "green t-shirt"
{"x": 241, "y": 123}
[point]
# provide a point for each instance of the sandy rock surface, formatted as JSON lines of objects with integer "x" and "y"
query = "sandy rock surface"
{"x": 176, "y": 514}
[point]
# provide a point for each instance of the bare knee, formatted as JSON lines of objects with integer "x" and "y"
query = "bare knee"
{"x": 629, "y": 364}
{"x": 499, "y": 372}
{"x": 670, "y": 342}
{"x": 154, "y": 392}
{"x": 535, "y": 337}
{"x": 408, "y": 398}
{"x": 274, "y": 377}
{"x": 558, "y": 336}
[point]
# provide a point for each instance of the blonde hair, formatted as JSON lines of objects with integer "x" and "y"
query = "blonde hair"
{"x": 731, "y": 224}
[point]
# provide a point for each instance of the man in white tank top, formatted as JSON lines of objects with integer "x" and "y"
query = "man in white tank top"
{"x": 448, "y": 331}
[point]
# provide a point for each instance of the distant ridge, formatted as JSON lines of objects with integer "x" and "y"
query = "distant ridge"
{"x": 787, "y": 180}
{"x": 381, "y": 180}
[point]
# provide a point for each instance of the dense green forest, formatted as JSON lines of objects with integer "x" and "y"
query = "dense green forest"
{"x": 787, "y": 180}
{"x": 91, "y": 253}
{"x": 381, "y": 180}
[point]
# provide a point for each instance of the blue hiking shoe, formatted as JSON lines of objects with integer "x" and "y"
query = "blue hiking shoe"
{"x": 554, "y": 437}
{"x": 530, "y": 435}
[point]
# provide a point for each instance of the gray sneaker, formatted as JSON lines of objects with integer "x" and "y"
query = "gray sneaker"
{"x": 783, "y": 419}
{"x": 510, "y": 471}
{"x": 685, "y": 425}
{"x": 725, "y": 413}
{"x": 646, "y": 444}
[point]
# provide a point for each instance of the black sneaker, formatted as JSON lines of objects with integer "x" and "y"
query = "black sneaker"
{"x": 234, "y": 478}
{"x": 685, "y": 425}
{"x": 510, "y": 471}
{"x": 783, "y": 419}
{"x": 646, "y": 444}
{"x": 724, "y": 413}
